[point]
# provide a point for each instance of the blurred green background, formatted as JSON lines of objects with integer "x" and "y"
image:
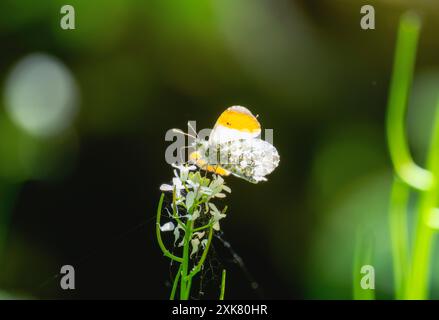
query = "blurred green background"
{"x": 84, "y": 112}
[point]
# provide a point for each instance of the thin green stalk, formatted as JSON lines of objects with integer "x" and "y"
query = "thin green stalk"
{"x": 404, "y": 62}
{"x": 416, "y": 286}
{"x": 184, "y": 286}
{"x": 187, "y": 277}
{"x": 420, "y": 274}
{"x": 203, "y": 227}
{"x": 174, "y": 210}
{"x": 362, "y": 257}
{"x": 399, "y": 236}
{"x": 223, "y": 285}
{"x": 200, "y": 263}
{"x": 158, "y": 234}
{"x": 175, "y": 284}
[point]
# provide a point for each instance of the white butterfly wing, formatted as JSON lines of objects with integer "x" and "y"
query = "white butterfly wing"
{"x": 250, "y": 159}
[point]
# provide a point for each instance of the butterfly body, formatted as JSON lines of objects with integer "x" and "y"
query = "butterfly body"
{"x": 234, "y": 147}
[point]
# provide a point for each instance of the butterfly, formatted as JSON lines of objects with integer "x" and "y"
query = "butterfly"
{"x": 234, "y": 147}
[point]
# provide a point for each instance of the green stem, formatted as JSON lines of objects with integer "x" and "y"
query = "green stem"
{"x": 158, "y": 233}
{"x": 404, "y": 62}
{"x": 203, "y": 227}
{"x": 399, "y": 236}
{"x": 420, "y": 273}
{"x": 186, "y": 277}
{"x": 362, "y": 257}
{"x": 223, "y": 285}
{"x": 200, "y": 263}
{"x": 175, "y": 284}
{"x": 174, "y": 210}
{"x": 185, "y": 286}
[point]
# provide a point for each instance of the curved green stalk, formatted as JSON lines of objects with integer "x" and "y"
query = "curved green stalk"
{"x": 418, "y": 281}
{"x": 404, "y": 62}
{"x": 415, "y": 286}
{"x": 158, "y": 234}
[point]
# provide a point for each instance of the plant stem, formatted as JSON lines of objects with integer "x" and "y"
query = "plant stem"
{"x": 362, "y": 257}
{"x": 223, "y": 285}
{"x": 175, "y": 284}
{"x": 185, "y": 284}
{"x": 404, "y": 62}
{"x": 423, "y": 180}
{"x": 200, "y": 263}
{"x": 398, "y": 231}
{"x": 158, "y": 234}
{"x": 175, "y": 210}
{"x": 420, "y": 274}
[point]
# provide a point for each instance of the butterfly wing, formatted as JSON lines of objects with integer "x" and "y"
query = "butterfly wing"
{"x": 233, "y": 147}
{"x": 249, "y": 159}
{"x": 234, "y": 123}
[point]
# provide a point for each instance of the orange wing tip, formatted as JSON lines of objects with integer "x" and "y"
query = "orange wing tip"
{"x": 239, "y": 118}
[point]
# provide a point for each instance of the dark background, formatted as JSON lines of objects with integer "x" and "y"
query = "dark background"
{"x": 87, "y": 195}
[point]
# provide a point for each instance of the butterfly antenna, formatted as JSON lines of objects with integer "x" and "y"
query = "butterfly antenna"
{"x": 184, "y": 133}
{"x": 193, "y": 129}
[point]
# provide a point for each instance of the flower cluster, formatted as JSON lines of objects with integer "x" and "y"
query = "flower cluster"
{"x": 192, "y": 203}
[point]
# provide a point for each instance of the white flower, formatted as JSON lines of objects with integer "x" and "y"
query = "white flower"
{"x": 193, "y": 184}
{"x": 217, "y": 216}
{"x": 177, "y": 233}
{"x": 195, "y": 244}
{"x": 193, "y": 193}
{"x": 179, "y": 179}
{"x": 168, "y": 226}
{"x": 177, "y": 184}
{"x": 194, "y": 215}
{"x": 184, "y": 171}
{"x": 199, "y": 235}
{"x": 190, "y": 198}
{"x": 206, "y": 191}
{"x": 166, "y": 187}
{"x": 218, "y": 186}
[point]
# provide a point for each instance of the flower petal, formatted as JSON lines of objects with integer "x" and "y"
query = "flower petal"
{"x": 199, "y": 235}
{"x": 168, "y": 226}
{"x": 177, "y": 233}
{"x": 195, "y": 244}
{"x": 194, "y": 215}
{"x": 190, "y": 197}
{"x": 166, "y": 187}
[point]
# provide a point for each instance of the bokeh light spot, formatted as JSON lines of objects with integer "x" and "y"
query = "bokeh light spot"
{"x": 41, "y": 95}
